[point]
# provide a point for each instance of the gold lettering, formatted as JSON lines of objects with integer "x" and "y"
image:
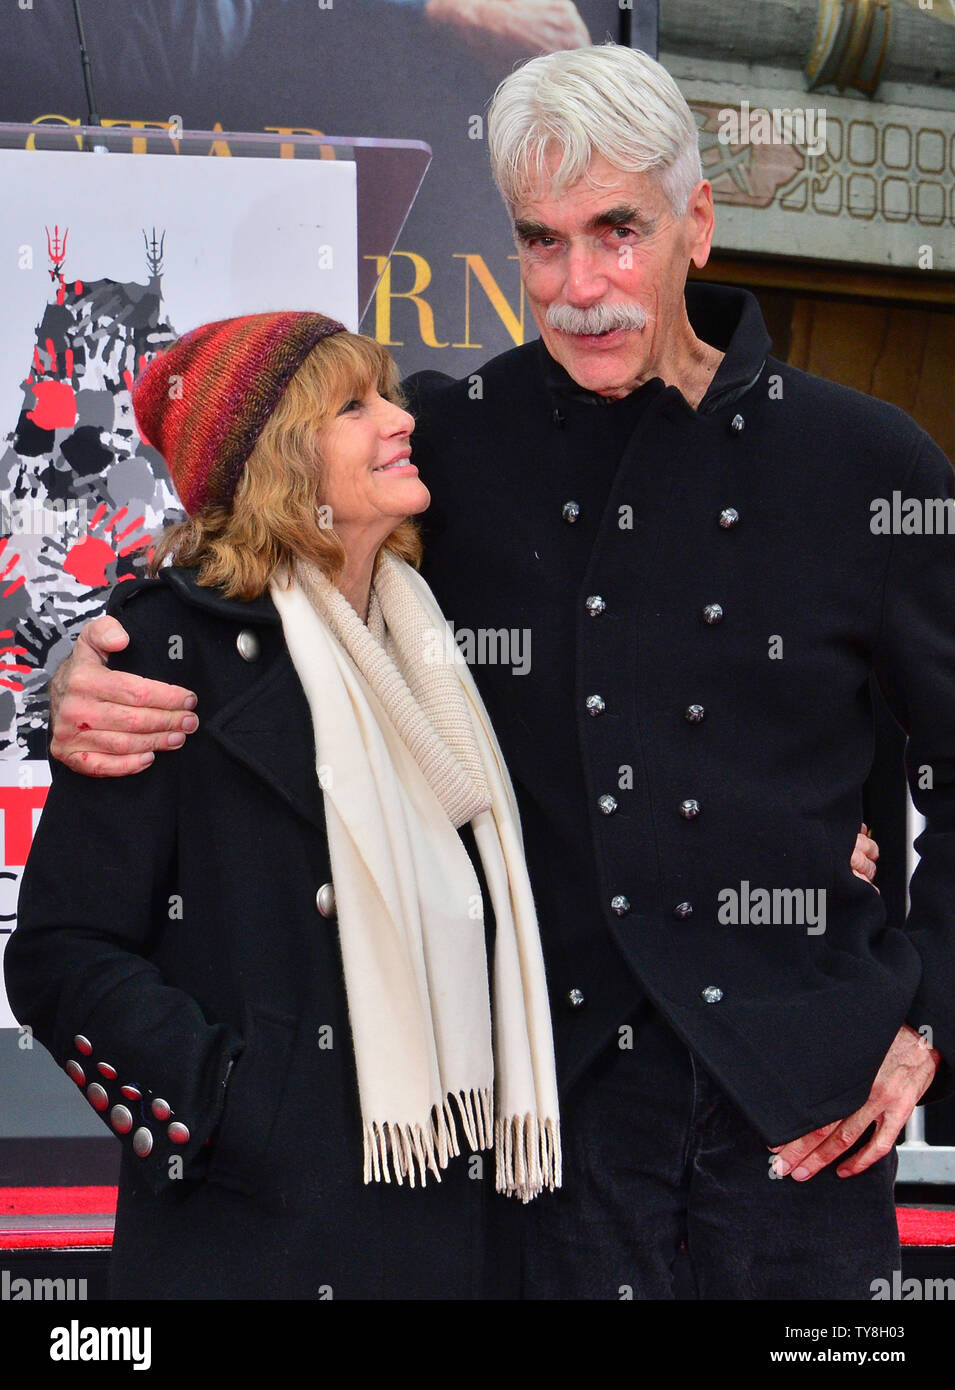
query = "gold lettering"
{"x": 513, "y": 324}
{"x": 287, "y": 151}
{"x": 384, "y": 294}
{"x": 52, "y": 119}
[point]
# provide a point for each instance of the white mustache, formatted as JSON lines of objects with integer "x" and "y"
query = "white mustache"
{"x": 599, "y": 318}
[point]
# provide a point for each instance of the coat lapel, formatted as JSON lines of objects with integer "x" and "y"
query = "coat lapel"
{"x": 268, "y": 726}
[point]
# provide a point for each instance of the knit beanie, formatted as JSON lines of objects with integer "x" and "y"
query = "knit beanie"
{"x": 204, "y": 401}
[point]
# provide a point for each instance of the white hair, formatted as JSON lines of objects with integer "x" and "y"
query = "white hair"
{"x": 608, "y": 100}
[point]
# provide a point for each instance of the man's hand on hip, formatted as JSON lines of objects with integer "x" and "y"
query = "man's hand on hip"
{"x": 108, "y": 723}
{"x": 902, "y": 1080}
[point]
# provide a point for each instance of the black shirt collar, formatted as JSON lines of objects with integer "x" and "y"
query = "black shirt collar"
{"x": 724, "y": 316}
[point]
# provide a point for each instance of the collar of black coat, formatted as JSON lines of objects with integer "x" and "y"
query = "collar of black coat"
{"x": 184, "y": 582}
{"x": 723, "y": 316}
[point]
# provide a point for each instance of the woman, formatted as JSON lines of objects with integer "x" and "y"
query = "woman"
{"x": 280, "y": 1086}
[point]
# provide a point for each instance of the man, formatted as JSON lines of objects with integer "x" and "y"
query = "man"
{"x": 680, "y": 527}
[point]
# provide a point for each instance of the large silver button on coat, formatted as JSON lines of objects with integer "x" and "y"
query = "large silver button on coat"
{"x": 142, "y": 1142}
{"x": 248, "y": 644}
{"x": 683, "y": 910}
{"x": 575, "y": 998}
{"x": 570, "y": 512}
{"x": 712, "y": 994}
{"x": 595, "y": 605}
{"x": 178, "y": 1132}
{"x": 694, "y": 713}
{"x": 607, "y": 804}
{"x": 97, "y": 1096}
{"x": 325, "y": 900}
{"x": 729, "y": 516}
{"x": 713, "y": 613}
{"x": 620, "y": 904}
{"x": 595, "y": 705}
{"x": 690, "y": 808}
{"x": 737, "y": 424}
{"x": 121, "y": 1119}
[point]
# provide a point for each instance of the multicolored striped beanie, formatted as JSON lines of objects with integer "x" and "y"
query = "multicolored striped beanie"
{"x": 204, "y": 401}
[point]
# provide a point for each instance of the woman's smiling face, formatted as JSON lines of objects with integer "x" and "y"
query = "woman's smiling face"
{"x": 370, "y": 483}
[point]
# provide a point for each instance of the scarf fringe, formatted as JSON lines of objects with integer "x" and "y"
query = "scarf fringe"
{"x": 527, "y": 1151}
{"x": 528, "y": 1156}
{"x": 398, "y": 1147}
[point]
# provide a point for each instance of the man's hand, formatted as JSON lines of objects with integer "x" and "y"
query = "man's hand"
{"x": 864, "y": 855}
{"x": 902, "y": 1080}
{"x": 106, "y": 723}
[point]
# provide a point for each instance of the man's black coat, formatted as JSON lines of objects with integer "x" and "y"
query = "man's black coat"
{"x": 794, "y": 1022}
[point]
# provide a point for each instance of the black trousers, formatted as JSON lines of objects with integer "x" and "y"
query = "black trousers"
{"x": 658, "y": 1160}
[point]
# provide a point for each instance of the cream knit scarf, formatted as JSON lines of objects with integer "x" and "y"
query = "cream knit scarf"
{"x": 405, "y": 753}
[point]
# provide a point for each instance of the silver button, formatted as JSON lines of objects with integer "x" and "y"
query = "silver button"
{"x": 75, "y": 1072}
{"x": 737, "y": 423}
{"x": 694, "y": 713}
{"x": 712, "y": 613}
{"x": 620, "y": 905}
{"x": 595, "y": 605}
{"x": 121, "y": 1119}
{"x": 690, "y": 808}
{"x": 575, "y": 998}
{"x": 607, "y": 804}
{"x": 161, "y": 1108}
{"x": 96, "y": 1096}
{"x": 683, "y": 910}
{"x": 178, "y": 1132}
{"x": 142, "y": 1142}
{"x": 82, "y": 1045}
{"x": 728, "y": 517}
{"x": 595, "y": 705}
{"x": 712, "y": 994}
{"x": 131, "y": 1092}
{"x": 106, "y": 1070}
{"x": 248, "y": 644}
{"x": 570, "y": 511}
{"x": 325, "y": 900}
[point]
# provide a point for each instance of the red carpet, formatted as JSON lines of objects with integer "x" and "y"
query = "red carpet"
{"x": 45, "y": 1217}
{"x": 921, "y": 1226}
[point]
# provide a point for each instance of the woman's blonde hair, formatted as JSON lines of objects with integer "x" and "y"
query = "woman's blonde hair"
{"x": 275, "y": 514}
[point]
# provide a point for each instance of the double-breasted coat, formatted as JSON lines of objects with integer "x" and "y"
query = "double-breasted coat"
{"x": 690, "y": 604}
{"x": 177, "y": 952}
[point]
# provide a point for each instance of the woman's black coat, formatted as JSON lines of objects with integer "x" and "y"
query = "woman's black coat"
{"x": 170, "y": 920}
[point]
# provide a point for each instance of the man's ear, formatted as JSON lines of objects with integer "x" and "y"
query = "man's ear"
{"x": 702, "y": 223}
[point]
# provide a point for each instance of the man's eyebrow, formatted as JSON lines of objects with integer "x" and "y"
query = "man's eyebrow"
{"x": 620, "y": 216}
{"x": 623, "y": 215}
{"x": 526, "y": 229}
